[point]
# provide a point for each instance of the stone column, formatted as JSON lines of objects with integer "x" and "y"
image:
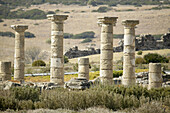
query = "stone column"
{"x": 106, "y": 55}
{"x": 19, "y": 58}
{"x": 5, "y": 71}
{"x": 57, "y": 58}
{"x": 129, "y": 52}
{"x": 155, "y": 76}
{"x": 83, "y": 68}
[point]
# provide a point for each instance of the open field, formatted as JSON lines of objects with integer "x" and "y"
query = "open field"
{"x": 118, "y": 56}
{"x": 151, "y": 21}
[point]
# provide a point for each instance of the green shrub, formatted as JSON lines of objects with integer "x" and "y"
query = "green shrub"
{"x": 102, "y": 9}
{"x": 48, "y": 41}
{"x": 117, "y": 73}
{"x": 1, "y": 20}
{"x": 66, "y": 59}
{"x": 88, "y": 34}
{"x": 139, "y": 52}
{"x": 139, "y": 60}
{"x": 86, "y": 40}
{"x": 25, "y": 93}
{"x": 29, "y": 35}
{"x": 68, "y": 35}
{"x": 57, "y": 10}
{"x": 50, "y": 12}
{"x": 8, "y": 34}
{"x": 38, "y": 63}
{"x": 155, "y": 58}
{"x": 92, "y": 2}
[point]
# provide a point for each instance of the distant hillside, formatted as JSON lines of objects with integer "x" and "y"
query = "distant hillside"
{"x": 27, "y": 3}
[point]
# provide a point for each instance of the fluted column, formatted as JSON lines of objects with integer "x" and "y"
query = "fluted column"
{"x": 129, "y": 52}
{"x": 5, "y": 71}
{"x": 83, "y": 68}
{"x": 19, "y": 58}
{"x": 106, "y": 55}
{"x": 155, "y": 76}
{"x": 57, "y": 58}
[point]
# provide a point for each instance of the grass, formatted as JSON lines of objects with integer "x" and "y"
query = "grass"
{"x": 92, "y": 75}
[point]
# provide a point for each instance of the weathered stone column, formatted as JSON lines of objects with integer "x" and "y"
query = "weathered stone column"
{"x": 83, "y": 68}
{"x": 5, "y": 71}
{"x": 106, "y": 55}
{"x": 57, "y": 58}
{"x": 129, "y": 52}
{"x": 155, "y": 76}
{"x": 19, "y": 58}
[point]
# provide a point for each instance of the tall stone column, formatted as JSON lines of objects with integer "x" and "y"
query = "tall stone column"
{"x": 129, "y": 52}
{"x": 19, "y": 58}
{"x": 83, "y": 68}
{"x": 155, "y": 76}
{"x": 57, "y": 58}
{"x": 106, "y": 55}
{"x": 5, "y": 71}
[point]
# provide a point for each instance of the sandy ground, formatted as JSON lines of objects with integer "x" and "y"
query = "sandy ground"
{"x": 151, "y": 21}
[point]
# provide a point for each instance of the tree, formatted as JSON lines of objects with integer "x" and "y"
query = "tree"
{"x": 32, "y": 53}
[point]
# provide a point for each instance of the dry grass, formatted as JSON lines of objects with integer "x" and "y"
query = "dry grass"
{"x": 151, "y": 21}
{"x": 118, "y": 56}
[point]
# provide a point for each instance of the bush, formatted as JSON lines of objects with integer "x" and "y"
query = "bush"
{"x": 86, "y": 40}
{"x": 102, "y": 9}
{"x": 38, "y": 63}
{"x": 117, "y": 73}
{"x": 139, "y": 52}
{"x": 155, "y": 58}
{"x": 29, "y": 35}
{"x": 50, "y": 12}
{"x": 139, "y": 60}
{"x": 88, "y": 34}
{"x": 1, "y": 20}
{"x": 8, "y": 34}
{"x": 66, "y": 59}
{"x": 68, "y": 35}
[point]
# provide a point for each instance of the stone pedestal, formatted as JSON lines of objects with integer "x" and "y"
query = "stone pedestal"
{"x": 106, "y": 55}
{"x": 83, "y": 68}
{"x": 19, "y": 58}
{"x": 155, "y": 76}
{"x": 5, "y": 71}
{"x": 57, "y": 58}
{"x": 129, "y": 52}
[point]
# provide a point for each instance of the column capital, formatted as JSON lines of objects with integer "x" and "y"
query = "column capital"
{"x": 107, "y": 20}
{"x": 19, "y": 28}
{"x": 54, "y": 17}
{"x": 130, "y": 23}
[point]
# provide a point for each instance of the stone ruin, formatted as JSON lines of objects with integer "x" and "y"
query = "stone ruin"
{"x": 147, "y": 42}
{"x": 143, "y": 42}
{"x": 106, "y": 58}
{"x": 75, "y": 52}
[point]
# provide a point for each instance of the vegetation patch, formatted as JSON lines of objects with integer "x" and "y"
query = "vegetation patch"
{"x": 86, "y": 40}
{"x": 112, "y": 97}
{"x": 102, "y": 9}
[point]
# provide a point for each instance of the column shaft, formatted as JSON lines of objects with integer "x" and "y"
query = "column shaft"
{"x": 155, "y": 76}
{"x": 106, "y": 56}
{"x": 83, "y": 69}
{"x": 19, "y": 58}
{"x": 5, "y": 71}
{"x": 57, "y": 58}
{"x": 129, "y": 52}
